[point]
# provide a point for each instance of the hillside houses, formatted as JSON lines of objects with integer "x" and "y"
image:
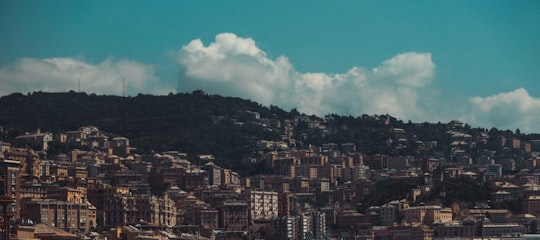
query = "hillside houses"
{"x": 96, "y": 185}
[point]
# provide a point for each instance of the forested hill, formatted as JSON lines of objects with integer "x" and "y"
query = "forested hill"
{"x": 198, "y": 123}
{"x": 185, "y": 122}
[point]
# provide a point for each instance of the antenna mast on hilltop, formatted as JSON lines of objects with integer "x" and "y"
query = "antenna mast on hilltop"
{"x": 123, "y": 87}
{"x": 79, "y": 88}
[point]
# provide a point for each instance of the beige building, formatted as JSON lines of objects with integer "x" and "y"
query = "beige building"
{"x": 29, "y": 160}
{"x": 10, "y": 182}
{"x": 233, "y": 215}
{"x": 270, "y": 182}
{"x": 531, "y": 205}
{"x": 120, "y": 146}
{"x": 201, "y": 215}
{"x": 262, "y": 204}
{"x": 503, "y": 229}
{"x": 214, "y": 173}
{"x": 319, "y": 185}
{"x": 33, "y": 190}
{"x": 68, "y": 216}
{"x": 129, "y": 209}
{"x": 427, "y": 214}
{"x": 411, "y": 232}
{"x": 225, "y": 176}
{"x": 37, "y": 140}
{"x": 308, "y": 171}
{"x": 466, "y": 228}
{"x": 288, "y": 228}
{"x": 74, "y": 195}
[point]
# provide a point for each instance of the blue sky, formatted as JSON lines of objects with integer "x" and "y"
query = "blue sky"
{"x": 477, "y": 61}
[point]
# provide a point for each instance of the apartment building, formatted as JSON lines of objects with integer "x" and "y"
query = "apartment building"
{"x": 262, "y": 204}
{"x": 426, "y": 214}
{"x": 288, "y": 228}
{"x": 10, "y": 182}
{"x": 29, "y": 162}
{"x": 330, "y": 171}
{"x": 388, "y": 214}
{"x": 300, "y": 184}
{"x": 74, "y": 195}
{"x": 129, "y": 209}
{"x": 203, "y": 215}
{"x": 502, "y": 230}
{"x": 101, "y": 195}
{"x": 376, "y": 162}
{"x": 225, "y": 176}
{"x": 319, "y": 185}
{"x": 308, "y": 171}
{"x": 411, "y": 232}
{"x": 193, "y": 179}
{"x": 68, "y": 216}
{"x": 120, "y": 146}
{"x": 233, "y": 215}
{"x": 531, "y": 205}
{"x": 214, "y": 173}
{"x": 271, "y": 182}
{"x": 33, "y": 190}
{"x": 317, "y": 224}
{"x": 466, "y": 228}
{"x": 347, "y": 218}
{"x": 38, "y": 140}
{"x": 286, "y": 204}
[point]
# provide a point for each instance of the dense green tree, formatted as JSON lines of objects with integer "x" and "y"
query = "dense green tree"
{"x": 198, "y": 123}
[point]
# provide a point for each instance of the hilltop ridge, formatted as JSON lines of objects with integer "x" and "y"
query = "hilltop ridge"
{"x": 228, "y": 127}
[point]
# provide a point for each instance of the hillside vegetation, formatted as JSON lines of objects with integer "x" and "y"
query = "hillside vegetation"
{"x": 198, "y": 123}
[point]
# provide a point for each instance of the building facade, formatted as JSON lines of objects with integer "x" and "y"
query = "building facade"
{"x": 262, "y": 204}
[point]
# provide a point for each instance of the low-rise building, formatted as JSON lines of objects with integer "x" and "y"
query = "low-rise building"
{"x": 426, "y": 214}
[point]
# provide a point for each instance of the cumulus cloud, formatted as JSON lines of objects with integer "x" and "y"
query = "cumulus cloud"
{"x": 509, "y": 110}
{"x": 63, "y": 74}
{"x": 400, "y": 86}
{"x": 236, "y": 66}
{"x": 410, "y": 69}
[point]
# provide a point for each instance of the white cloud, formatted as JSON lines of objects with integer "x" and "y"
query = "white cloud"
{"x": 400, "y": 86}
{"x": 510, "y": 110}
{"x": 410, "y": 69}
{"x": 63, "y": 74}
{"x": 235, "y": 66}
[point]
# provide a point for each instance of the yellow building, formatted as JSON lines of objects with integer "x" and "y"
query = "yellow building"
{"x": 74, "y": 195}
{"x": 427, "y": 214}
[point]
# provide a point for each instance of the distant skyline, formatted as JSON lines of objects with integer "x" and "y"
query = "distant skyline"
{"x": 424, "y": 61}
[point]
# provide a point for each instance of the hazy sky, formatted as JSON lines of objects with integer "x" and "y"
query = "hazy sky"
{"x": 476, "y": 61}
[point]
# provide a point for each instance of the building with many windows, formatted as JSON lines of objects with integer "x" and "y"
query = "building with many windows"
{"x": 531, "y": 205}
{"x": 68, "y": 216}
{"x": 262, "y": 204}
{"x": 9, "y": 180}
{"x": 130, "y": 209}
{"x": 233, "y": 215}
{"x": 426, "y": 214}
{"x": 288, "y": 228}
